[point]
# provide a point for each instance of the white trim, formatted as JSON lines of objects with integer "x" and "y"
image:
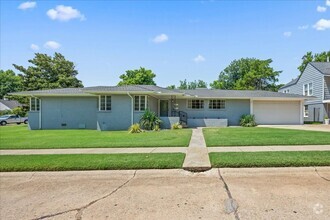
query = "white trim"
{"x": 302, "y": 112}
{"x": 132, "y": 108}
{"x": 251, "y": 106}
{"x": 40, "y": 123}
{"x": 323, "y": 89}
{"x": 99, "y": 103}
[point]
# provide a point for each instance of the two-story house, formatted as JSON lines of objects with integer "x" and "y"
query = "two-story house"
{"x": 313, "y": 81}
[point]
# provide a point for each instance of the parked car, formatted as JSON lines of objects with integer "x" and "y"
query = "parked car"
{"x": 9, "y": 119}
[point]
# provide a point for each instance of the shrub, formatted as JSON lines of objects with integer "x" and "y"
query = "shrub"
{"x": 176, "y": 126}
{"x": 149, "y": 120}
{"x": 6, "y": 112}
{"x": 247, "y": 121}
{"x": 19, "y": 111}
{"x": 135, "y": 128}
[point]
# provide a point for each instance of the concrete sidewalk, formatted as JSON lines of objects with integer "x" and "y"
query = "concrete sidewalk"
{"x": 197, "y": 157}
{"x": 197, "y": 154}
{"x": 271, "y": 148}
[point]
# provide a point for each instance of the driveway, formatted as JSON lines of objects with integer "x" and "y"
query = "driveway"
{"x": 307, "y": 127}
{"x": 264, "y": 193}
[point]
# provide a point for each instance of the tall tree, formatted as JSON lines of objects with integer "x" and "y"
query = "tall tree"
{"x": 249, "y": 74}
{"x": 9, "y": 82}
{"x": 309, "y": 57}
{"x": 140, "y": 76}
{"x": 49, "y": 73}
{"x": 192, "y": 85}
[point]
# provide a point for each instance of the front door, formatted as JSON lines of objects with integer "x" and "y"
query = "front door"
{"x": 163, "y": 111}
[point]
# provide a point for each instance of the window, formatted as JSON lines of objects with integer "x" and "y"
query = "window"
{"x": 196, "y": 104}
{"x": 105, "y": 103}
{"x": 217, "y": 104}
{"x": 140, "y": 102}
{"x": 306, "y": 111}
{"x": 308, "y": 89}
{"x": 34, "y": 104}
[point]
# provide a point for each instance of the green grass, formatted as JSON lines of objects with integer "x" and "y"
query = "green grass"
{"x": 19, "y": 137}
{"x": 90, "y": 162}
{"x": 271, "y": 159}
{"x": 263, "y": 136}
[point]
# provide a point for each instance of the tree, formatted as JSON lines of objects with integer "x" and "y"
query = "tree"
{"x": 9, "y": 82}
{"x": 190, "y": 85}
{"x": 140, "y": 76}
{"x": 309, "y": 57}
{"x": 248, "y": 74}
{"x": 49, "y": 73}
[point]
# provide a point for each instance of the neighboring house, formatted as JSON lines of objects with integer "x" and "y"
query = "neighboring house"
{"x": 117, "y": 107}
{"x": 9, "y": 104}
{"x": 313, "y": 81}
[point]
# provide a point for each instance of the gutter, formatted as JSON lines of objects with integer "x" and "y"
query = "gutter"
{"x": 132, "y": 103}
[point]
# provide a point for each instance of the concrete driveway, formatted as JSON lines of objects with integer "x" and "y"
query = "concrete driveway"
{"x": 264, "y": 193}
{"x": 306, "y": 127}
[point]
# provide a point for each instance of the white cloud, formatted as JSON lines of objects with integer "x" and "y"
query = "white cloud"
{"x": 160, "y": 38}
{"x": 321, "y": 9}
{"x": 52, "y": 45}
{"x": 27, "y": 5}
{"x": 303, "y": 27}
{"x": 199, "y": 59}
{"x": 322, "y": 25}
{"x": 327, "y": 2}
{"x": 287, "y": 34}
{"x": 64, "y": 13}
{"x": 34, "y": 47}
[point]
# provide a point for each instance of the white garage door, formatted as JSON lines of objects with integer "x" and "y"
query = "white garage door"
{"x": 276, "y": 112}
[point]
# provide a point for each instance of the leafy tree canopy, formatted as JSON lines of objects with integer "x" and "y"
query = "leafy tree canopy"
{"x": 9, "y": 82}
{"x": 189, "y": 85}
{"x": 140, "y": 76}
{"x": 248, "y": 74}
{"x": 49, "y": 73}
{"x": 309, "y": 57}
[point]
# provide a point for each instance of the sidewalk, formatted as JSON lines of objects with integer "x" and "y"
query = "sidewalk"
{"x": 192, "y": 149}
{"x": 270, "y": 148}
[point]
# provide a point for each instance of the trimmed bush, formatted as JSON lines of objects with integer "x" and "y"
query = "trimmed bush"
{"x": 247, "y": 121}
{"x": 176, "y": 126}
{"x": 135, "y": 128}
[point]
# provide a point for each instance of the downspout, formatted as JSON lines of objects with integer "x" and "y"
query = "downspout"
{"x": 132, "y": 103}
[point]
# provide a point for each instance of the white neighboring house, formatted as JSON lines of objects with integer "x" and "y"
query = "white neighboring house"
{"x": 314, "y": 81}
{"x": 9, "y": 104}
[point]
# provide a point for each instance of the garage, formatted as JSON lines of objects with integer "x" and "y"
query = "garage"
{"x": 277, "y": 112}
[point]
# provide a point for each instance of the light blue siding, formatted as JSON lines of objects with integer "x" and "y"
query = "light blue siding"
{"x": 119, "y": 118}
{"x": 68, "y": 112}
{"x": 235, "y": 108}
{"x": 33, "y": 118}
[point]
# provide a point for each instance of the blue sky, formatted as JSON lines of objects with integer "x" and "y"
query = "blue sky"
{"x": 177, "y": 40}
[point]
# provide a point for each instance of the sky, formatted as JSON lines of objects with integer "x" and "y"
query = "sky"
{"x": 177, "y": 40}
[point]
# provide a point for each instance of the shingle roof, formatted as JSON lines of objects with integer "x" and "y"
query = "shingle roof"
{"x": 323, "y": 67}
{"x": 128, "y": 88}
{"x": 63, "y": 91}
{"x": 11, "y": 103}
{"x": 201, "y": 93}
{"x": 216, "y": 93}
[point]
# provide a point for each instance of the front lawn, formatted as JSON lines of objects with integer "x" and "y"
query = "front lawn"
{"x": 270, "y": 159}
{"x": 263, "y": 137}
{"x": 19, "y": 137}
{"x": 90, "y": 162}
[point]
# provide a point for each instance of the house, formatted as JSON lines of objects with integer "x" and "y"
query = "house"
{"x": 313, "y": 81}
{"x": 117, "y": 107}
{"x": 9, "y": 104}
